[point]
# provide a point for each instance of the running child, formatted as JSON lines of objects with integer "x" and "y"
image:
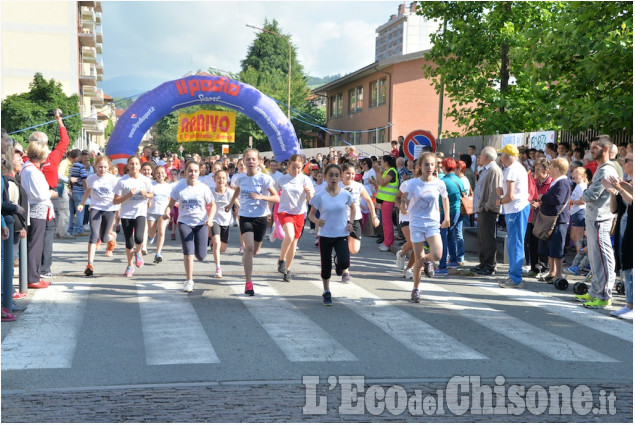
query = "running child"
{"x": 156, "y": 224}
{"x": 223, "y": 195}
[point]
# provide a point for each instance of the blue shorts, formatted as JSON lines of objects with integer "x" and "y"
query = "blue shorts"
{"x": 577, "y": 219}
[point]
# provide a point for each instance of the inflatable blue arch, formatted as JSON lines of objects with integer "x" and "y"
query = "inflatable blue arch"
{"x": 196, "y": 90}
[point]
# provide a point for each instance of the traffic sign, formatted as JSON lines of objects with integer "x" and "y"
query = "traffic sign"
{"x": 418, "y": 137}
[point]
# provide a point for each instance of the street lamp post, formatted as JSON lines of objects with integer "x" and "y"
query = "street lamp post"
{"x": 289, "y": 43}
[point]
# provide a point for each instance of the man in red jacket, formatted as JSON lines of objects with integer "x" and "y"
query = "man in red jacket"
{"x": 49, "y": 169}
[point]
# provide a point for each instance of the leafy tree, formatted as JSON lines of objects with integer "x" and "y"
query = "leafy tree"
{"x": 523, "y": 66}
{"x": 20, "y": 111}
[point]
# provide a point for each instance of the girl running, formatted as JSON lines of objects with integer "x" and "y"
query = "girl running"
{"x": 147, "y": 170}
{"x": 174, "y": 214}
{"x": 404, "y": 221}
{"x": 358, "y": 192}
{"x": 100, "y": 189}
{"x": 335, "y": 206}
{"x": 223, "y": 195}
{"x": 296, "y": 189}
{"x": 132, "y": 191}
{"x": 156, "y": 224}
{"x": 240, "y": 169}
{"x": 194, "y": 198}
{"x": 256, "y": 191}
{"x": 422, "y": 200}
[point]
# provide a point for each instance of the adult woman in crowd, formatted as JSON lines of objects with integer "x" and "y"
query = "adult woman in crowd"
{"x": 388, "y": 183}
{"x": 369, "y": 180}
{"x": 452, "y": 237}
{"x": 578, "y": 206}
{"x": 256, "y": 191}
{"x": 100, "y": 188}
{"x": 551, "y": 203}
{"x": 40, "y": 211}
{"x": 542, "y": 181}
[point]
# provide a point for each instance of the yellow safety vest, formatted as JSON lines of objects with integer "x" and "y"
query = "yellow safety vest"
{"x": 388, "y": 193}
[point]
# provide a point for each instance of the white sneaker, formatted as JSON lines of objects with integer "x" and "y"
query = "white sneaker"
{"x": 383, "y": 248}
{"x": 526, "y": 269}
{"x": 312, "y": 231}
{"x": 150, "y": 241}
{"x": 188, "y": 286}
{"x": 408, "y": 274}
{"x": 272, "y": 237}
{"x": 618, "y": 313}
{"x": 401, "y": 260}
{"x": 627, "y": 316}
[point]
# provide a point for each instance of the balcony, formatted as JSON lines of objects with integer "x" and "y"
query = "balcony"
{"x": 98, "y": 6}
{"x": 100, "y": 67}
{"x": 87, "y": 35}
{"x": 98, "y": 98}
{"x": 98, "y": 48}
{"x": 89, "y": 91}
{"x": 89, "y": 115}
{"x": 89, "y": 54}
{"x": 98, "y": 17}
{"x": 99, "y": 33}
{"x": 88, "y": 74}
{"x": 88, "y": 13}
{"x": 97, "y": 129}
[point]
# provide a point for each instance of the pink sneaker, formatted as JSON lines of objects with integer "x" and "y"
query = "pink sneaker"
{"x": 249, "y": 289}
{"x": 128, "y": 272}
{"x": 138, "y": 260}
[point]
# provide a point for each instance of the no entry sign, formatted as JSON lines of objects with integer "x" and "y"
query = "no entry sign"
{"x": 418, "y": 137}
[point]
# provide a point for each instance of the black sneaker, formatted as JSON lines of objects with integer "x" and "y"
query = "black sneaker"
{"x": 476, "y": 269}
{"x": 380, "y": 240}
{"x": 485, "y": 272}
{"x": 338, "y": 269}
{"x": 287, "y": 276}
{"x": 282, "y": 266}
{"x": 326, "y": 298}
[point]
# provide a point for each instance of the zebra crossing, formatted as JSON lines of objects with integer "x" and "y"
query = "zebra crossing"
{"x": 175, "y": 333}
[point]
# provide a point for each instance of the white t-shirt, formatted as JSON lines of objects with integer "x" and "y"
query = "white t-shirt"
{"x": 366, "y": 178}
{"x": 222, "y": 200}
{"x": 333, "y": 210}
{"x": 355, "y": 189}
{"x": 317, "y": 188}
{"x": 193, "y": 201}
{"x": 102, "y": 191}
{"x": 473, "y": 166}
{"x": 137, "y": 206}
{"x": 209, "y": 181}
{"x": 293, "y": 196}
{"x": 424, "y": 201}
{"x": 466, "y": 184}
{"x": 259, "y": 183}
{"x": 403, "y": 188}
{"x": 161, "y": 198}
{"x": 275, "y": 176}
{"x": 576, "y": 195}
{"x": 516, "y": 173}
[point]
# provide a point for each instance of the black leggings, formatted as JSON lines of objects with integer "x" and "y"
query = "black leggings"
{"x": 341, "y": 250}
{"x": 133, "y": 230}
{"x": 100, "y": 222}
{"x": 194, "y": 240}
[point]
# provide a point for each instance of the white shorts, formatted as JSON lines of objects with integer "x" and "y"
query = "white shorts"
{"x": 421, "y": 233}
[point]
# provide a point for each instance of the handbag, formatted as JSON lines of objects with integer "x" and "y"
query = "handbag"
{"x": 467, "y": 201}
{"x": 544, "y": 224}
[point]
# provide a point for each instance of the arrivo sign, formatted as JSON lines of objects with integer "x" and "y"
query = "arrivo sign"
{"x": 415, "y": 138}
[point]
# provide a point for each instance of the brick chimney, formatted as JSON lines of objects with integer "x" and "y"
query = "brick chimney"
{"x": 413, "y": 7}
{"x": 402, "y": 9}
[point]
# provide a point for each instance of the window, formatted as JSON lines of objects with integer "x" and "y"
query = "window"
{"x": 355, "y": 138}
{"x": 376, "y": 135}
{"x": 355, "y": 100}
{"x": 336, "y": 105}
{"x": 335, "y": 140}
{"x": 378, "y": 93}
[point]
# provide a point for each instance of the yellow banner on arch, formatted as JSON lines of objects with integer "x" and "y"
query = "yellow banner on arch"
{"x": 207, "y": 126}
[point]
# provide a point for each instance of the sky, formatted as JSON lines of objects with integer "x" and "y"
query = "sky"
{"x": 156, "y": 41}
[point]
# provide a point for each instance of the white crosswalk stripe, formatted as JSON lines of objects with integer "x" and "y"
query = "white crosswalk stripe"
{"x": 545, "y": 342}
{"x": 47, "y": 336}
{"x": 299, "y": 338}
{"x": 169, "y": 341}
{"x": 405, "y": 328}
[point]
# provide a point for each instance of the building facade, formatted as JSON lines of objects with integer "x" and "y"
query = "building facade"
{"x": 62, "y": 40}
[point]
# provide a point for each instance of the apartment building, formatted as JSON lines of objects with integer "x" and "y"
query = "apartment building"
{"x": 62, "y": 40}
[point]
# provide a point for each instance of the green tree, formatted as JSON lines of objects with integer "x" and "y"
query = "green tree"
{"x": 522, "y": 66}
{"x": 20, "y": 111}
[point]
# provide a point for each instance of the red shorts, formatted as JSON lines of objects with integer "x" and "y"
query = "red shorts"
{"x": 297, "y": 221}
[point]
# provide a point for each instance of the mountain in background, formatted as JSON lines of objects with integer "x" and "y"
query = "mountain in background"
{"x": 129, "y": 85}
{"x": 314, "y": 82}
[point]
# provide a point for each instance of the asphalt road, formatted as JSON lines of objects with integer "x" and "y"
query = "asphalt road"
{"x": 109, "y": 348}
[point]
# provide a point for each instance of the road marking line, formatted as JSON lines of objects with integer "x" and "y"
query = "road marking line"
{"x": 299, "y": 338}
{"x": 410, "y": 331}
{"x": 47, "y": 335}
{"x": 571, "y": 311}
{"x": 169, "y": 341}
{"x": 543, "y": 341}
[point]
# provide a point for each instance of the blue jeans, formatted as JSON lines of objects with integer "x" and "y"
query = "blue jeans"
{"x": 76, "y": 219}
{"x": 627, "y": 278}
{"x": 453, "y": 243}
{"x": 516, "y": 227}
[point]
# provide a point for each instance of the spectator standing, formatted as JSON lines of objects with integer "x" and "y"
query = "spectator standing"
{"x": 599, "y": 220}
{"x": 542, "y": 181}
{"x": 388, "y": 182}
{"x": 78, "y": 185}
{"x": 487, "y": 208}
{"x": 514, "y": 198}
{"x": 452, "y": 236}
{"x": 471, "y": 151}
{"x": 577, "y": 204}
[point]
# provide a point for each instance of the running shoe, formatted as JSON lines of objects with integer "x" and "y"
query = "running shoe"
{"x": 89, "y": 270}
{"x": 453, "y": 264}
{"x": 128, "y": 272}
{"x": 441, "y": 272}
{"x": 326, "y": 298}
{"x": 138, "y": 260}
{"x": 188, "y": 286}
{"x": 317, "y": 241}
{"x": 509, "y": 283}
{"x": 8, "y": 317}
{"x": 241, "y": 250}
{"x": 583, "y": 298}
{"x": 415, "y": 297}
{"x": 144, "y": 251}
{"x": 574, "y": 270}
{"x": 622, "y": 310}
{"x": 400, "y": 260}
{"x": 110, "y": 246}
{"x": 338, "y": 269}
{"x": 383, "y": 248}
{"x": 428, "y": 268}
{"x": 219, "y": 272}
{"x": 282, "y": 266}
{"x": 150, "y": 241}
{"x": 158, "y": 258}
{"x": 346, "y": 277}
{"x": 408, "y": 273}
{"x": 18, "y": 295}
{"x": 287, "y": 276}
{"x": 39, "y": 285}
{"x": 249, "y": 289}
{"x": 598, "y": 303}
